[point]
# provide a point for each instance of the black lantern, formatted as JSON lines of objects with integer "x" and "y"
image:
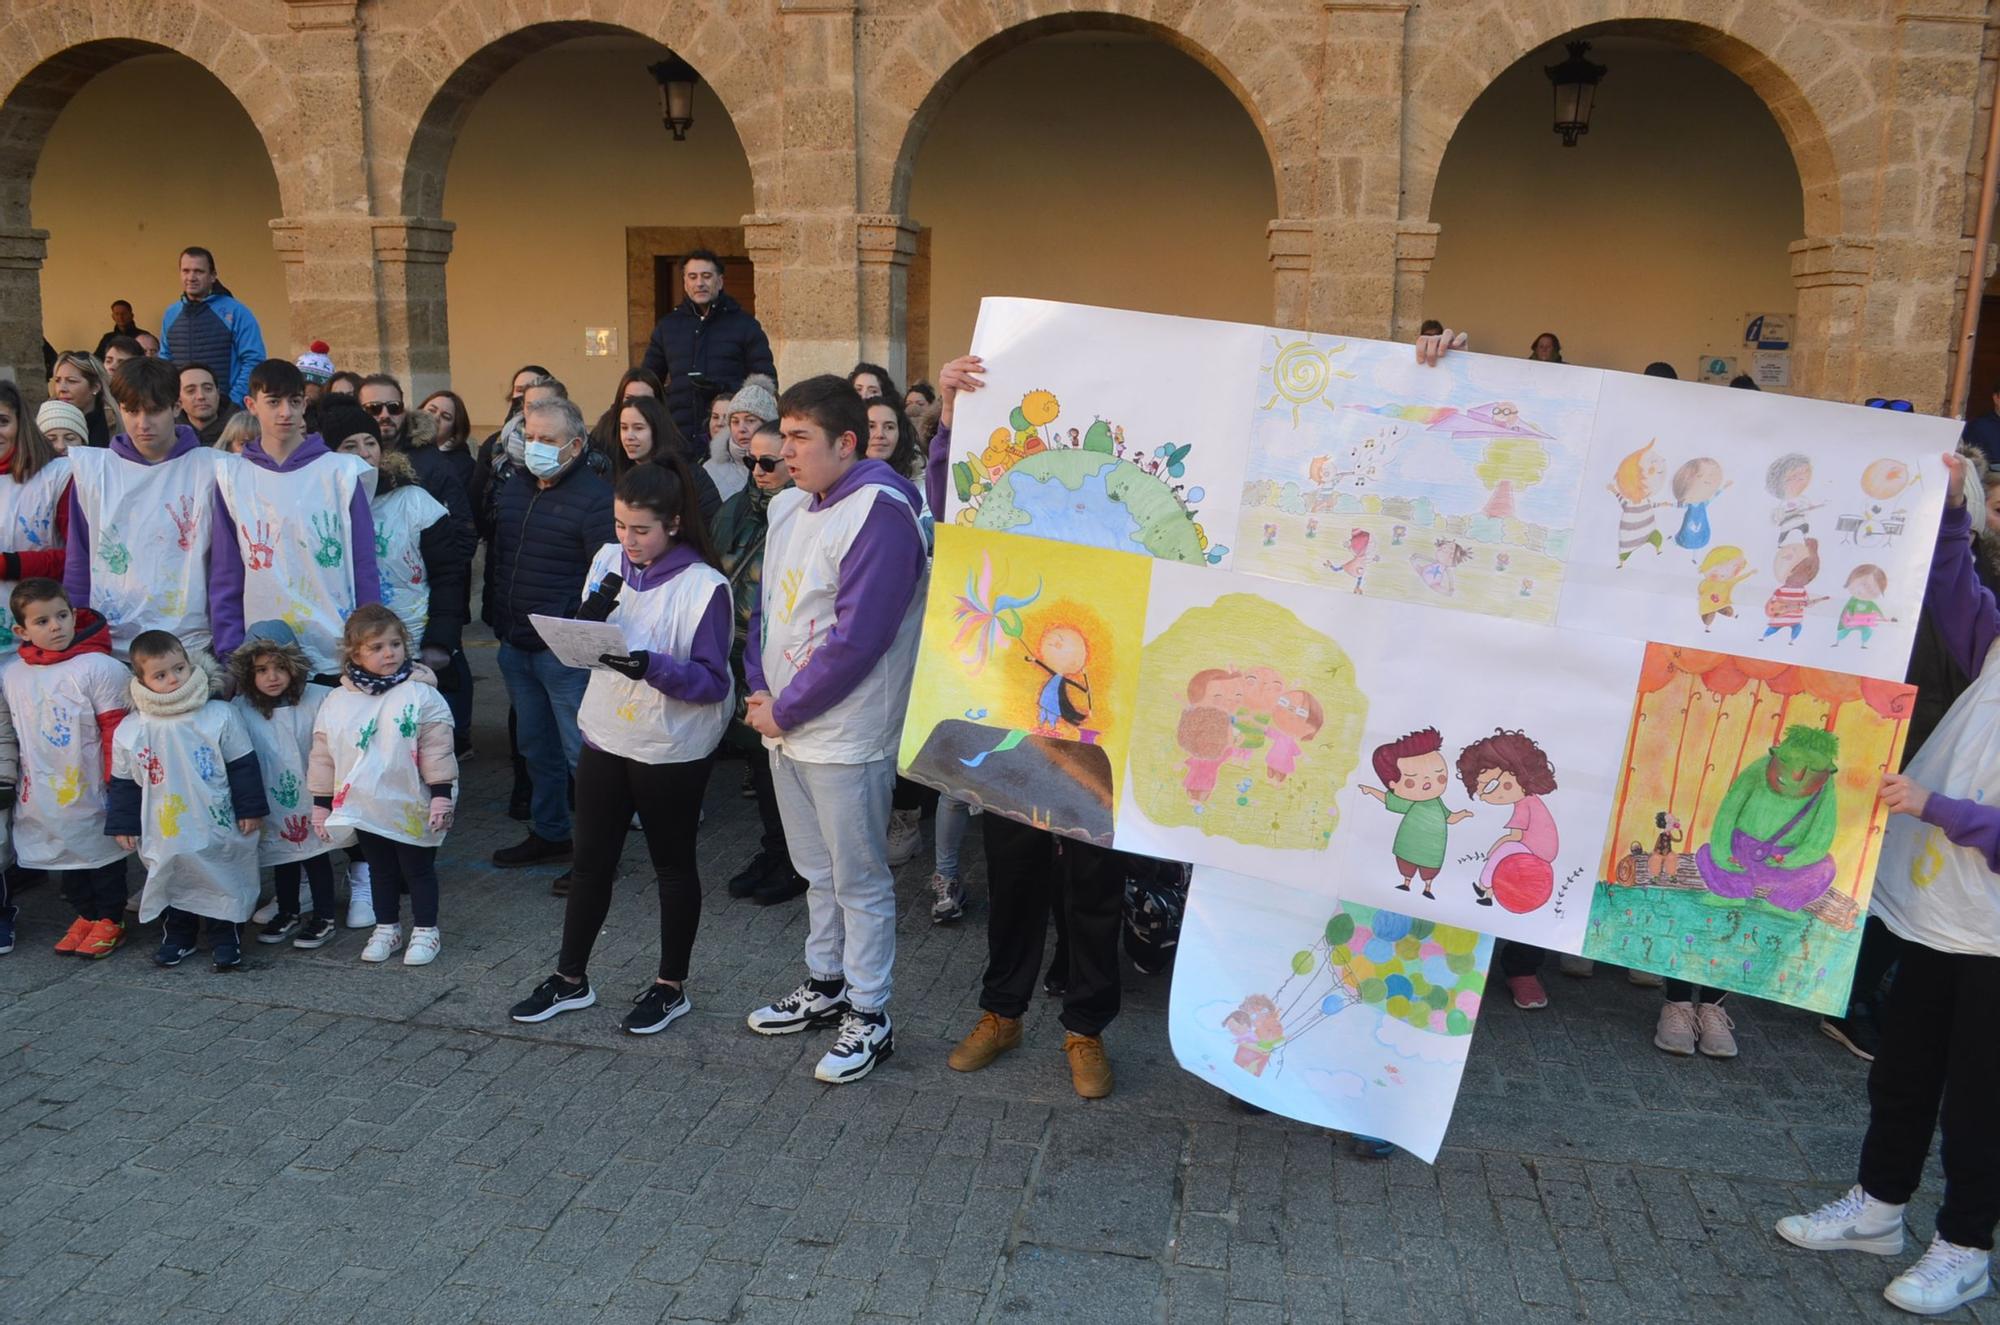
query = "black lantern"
{"x": 1575, "y": 82}
{"x": 676, "y": 78}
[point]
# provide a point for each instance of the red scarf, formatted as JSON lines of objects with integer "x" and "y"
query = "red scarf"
{"x": 92, "y": 636}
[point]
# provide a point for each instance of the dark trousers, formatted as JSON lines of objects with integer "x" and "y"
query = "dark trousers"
{"x": 667, "y": 797}
{"x": 911, "y": 795}
{"x": 97, "y": 894}
{"x": 184, "y": 927}
{"x": 1938, "y": 1050}
{"x": 1879, "y": 950}
{"x": 318, "y": 872}
{"x": 773, "y": 841}
{"x": 1517, "y": 959}
{"x": 1680, "y": 991}
{"x": 1025, "y": 869}
{"x": 395, "y": 868}
{"x": 457, "y": 692}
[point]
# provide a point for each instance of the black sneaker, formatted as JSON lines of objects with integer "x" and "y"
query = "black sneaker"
{"x": 657, "y": 1008}
{"x": 780, "y": 889}
{"x": 281, "y": 927}
{"x": 552, "y": 996}
{"x": 1856, "y": 1032}
{"x": 315, "y": 931}
{"x": 534, "y": 849}
{"x": 172, "y": 952}
{"x": 228, "y": 955}
{"x": 762, "y": 869}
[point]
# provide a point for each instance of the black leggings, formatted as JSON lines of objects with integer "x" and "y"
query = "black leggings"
{"x": 1682, "y": 991}
{"x": 318, "y": 871}
{"x": 395, "y": 868}
{"x": 667, "y": 798}
{"x": 97, "y": 894}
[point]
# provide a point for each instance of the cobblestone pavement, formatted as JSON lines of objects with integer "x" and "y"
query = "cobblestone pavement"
{"x": 316, "y": 1140}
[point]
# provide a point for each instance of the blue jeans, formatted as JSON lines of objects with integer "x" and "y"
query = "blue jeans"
{"x": 953, "y": 818}
{"x": 546, "y": 696}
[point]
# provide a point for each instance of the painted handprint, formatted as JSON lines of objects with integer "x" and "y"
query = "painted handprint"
{"x": 219, "y": 812}
{"x": 70, "y": 785}
{"x": 416, "y": 822}
{"x": 150, "y": 765}
{"x": 326, "y": 531}
{"x": 208, "y": 763}
{"x": 285, "y": 790}
{"x": 261, "y": 551}
{"x": 340, "y": 796}
{"x": 173, "y": 602}
{"x": 171, "y": 811}
{"x": 413, "y": 566}
{"x": 36, "y": 532}
{"x": 295, "y": 828}
{"x": 406, "y": 721}
{"x": 111, "y": 550}
{"x": 185, "y": 522}
{"x": 629, "y": 711}
{"x": 367, "y": 735}
{"x": 381, "y": 544}
{"x": 56, "y": 730}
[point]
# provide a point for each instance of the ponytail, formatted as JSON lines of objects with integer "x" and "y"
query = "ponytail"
{"x": 664, "y": 485}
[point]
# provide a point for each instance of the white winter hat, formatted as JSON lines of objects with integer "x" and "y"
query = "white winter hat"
{"x": 316, "y": 364}
{"x": 62, "y": 414}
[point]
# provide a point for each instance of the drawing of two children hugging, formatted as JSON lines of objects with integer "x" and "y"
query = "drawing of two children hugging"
{"x": 1506, "y": 768}
{"x": 1231, "y": 714}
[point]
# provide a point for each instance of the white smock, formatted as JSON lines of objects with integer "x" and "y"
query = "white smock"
{"x": 195, "y": 859}
{"x": 283, "y": 743}
{"x": 59, "y": 802}
{"x": 150, "y": 527}
{"x": 373, "y": 740}
{"x": 28, "y": 524}
{"x": 294, "y": 531}
{"x": 633, "y": 719}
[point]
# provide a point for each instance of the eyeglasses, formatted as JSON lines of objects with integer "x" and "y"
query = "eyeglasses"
{"x": 767, "y": 463}
{"x": 389, "y": 407}
{"x": 1883, "y": 402}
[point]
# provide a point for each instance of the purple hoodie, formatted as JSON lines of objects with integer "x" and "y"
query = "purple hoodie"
{"x": 1969, "y": 622}
{"x": 225, "y": 559}
{"x": 76, "y": 570}
{"x": 878, "y": 579}
{"x": 937, "y": 469}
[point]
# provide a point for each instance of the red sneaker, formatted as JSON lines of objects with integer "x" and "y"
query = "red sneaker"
{"x": 79, "y": 930}
{"x": 1528, "y": 992}
{"x": 103, "y": 941}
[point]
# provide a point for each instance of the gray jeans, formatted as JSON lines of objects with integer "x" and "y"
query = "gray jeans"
{"x": 837, "y": 829}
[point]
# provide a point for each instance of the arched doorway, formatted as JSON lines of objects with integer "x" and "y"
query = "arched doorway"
{"x": 1649, "y": 240}
{"x": 572, "y": 201}
{"x": 1100, "y": 166}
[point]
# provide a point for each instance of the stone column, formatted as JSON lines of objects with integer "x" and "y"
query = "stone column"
{"x": 330, "y": 283}
{"x": 22, "y": 252}
{"x": 1832, "y": 275}
{"x": 884, "y": 246}
{"x": 1291, "y": 252}
{"x": 1358, "y": 189}
{"x": 1416, "y": 250}
{"x": 410, "y": 253}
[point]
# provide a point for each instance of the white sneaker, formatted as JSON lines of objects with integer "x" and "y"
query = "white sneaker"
{"x": 266, "y": 913}
{"x": 863, "y": 1042}
{"x": 905, "y": 835}
{"x": 802, "y": 1009}
{"x": 1855, "y": 1222}
{"x": 947, "y": 899}
{"x": 383, "y": 943}
{"x": 1948, "y": 1276}
{"x": 360, "y": 897}
{"x": 1579, "y": 967}
{"x": 424, "y": 944}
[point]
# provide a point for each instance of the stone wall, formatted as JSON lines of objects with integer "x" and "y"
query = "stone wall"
{"x": 1883, "y": 103}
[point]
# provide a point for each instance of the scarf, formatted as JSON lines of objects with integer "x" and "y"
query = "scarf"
{"x": 193, "y": 693}
{"x": 370, "y": 684}
{"x": 92, "y": 636}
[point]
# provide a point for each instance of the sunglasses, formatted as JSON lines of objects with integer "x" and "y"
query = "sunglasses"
{"x": 767, "y": 463}
{"x": 1883, "y": 402}
{"x": 389, "y": 407}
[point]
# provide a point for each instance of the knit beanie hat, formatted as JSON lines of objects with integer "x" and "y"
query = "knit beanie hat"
{"x": 339, "y": 420}
{"x": 316, "y": 363}
{"x": 759, "y": 396}
{"x": 62, "y": 414}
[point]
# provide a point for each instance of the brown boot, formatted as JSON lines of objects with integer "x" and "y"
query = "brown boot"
{"x": 1089, "y": 1069}
{"x": 993, "y": 1036}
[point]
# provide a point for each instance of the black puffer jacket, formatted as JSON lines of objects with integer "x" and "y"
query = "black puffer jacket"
{"x": 543, "y": 541}
{"x": 722, "y": 348}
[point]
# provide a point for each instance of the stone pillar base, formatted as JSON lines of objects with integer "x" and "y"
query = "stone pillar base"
{"x": 22, "y": 252}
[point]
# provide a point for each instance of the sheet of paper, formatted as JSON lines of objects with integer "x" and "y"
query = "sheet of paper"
{"x": 580, "y": 643}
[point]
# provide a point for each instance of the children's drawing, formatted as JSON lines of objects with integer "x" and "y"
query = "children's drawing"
{"x": 1462, "y": 463}
{"x": 1360, "y": 1022}
{"x": 1508, "y": 768}
{"x": 1878, "y": 522}
{"x": 1023, "y": 697}
{"x": 1696, "y": 484}
{"x": 1249, "y": 722}
{"x": 1415, "y": 779}
{"x": 1796, "y": 567}
{"x": 1862, "y": 613}
{"x": 1722, "y": 570}
{"x": 1633, "y": 486}
{"x": 1787, "y": 480}
{"x": 1746, "y": 829}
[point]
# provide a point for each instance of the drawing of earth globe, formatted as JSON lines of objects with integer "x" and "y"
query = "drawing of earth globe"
{"x": 1090, "y": 498}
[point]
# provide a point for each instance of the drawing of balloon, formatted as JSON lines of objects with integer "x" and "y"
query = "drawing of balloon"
{"x": 1886, "y": 478}
{"x": 1038, "y": 410}
{"x": 1302, "y": 374}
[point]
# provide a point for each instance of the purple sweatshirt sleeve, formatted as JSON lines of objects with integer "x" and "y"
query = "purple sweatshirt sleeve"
{"x": 76, "y": 566}
{"x": 1962, "y": 607}
{"x": 753, "y": 647}
{"x": 937, "y": 470}
{"x": 1968, "y": 823}
{"x": 367, "y": 576}
{"x": 703, "y": 676}
{"x": 225, "y": 581}
{"x": 878, "y": 578}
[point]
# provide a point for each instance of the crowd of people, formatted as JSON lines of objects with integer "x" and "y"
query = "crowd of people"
{"x": 238, "y": 587}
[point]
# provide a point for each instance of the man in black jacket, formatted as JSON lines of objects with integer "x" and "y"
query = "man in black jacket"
{"x": 706, "y": 346}
{"x": 551, "y": 517}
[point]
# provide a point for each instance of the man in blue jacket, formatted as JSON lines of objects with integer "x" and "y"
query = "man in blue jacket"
{"x": 210, "y": 326}
{"x": 552, "y": 516}
{"x": 706, "y": 346}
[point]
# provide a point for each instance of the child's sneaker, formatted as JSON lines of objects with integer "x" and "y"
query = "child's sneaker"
{"x": 73, "y": 938}
{"x": 1947, "y": 1277}
{"x": 947, "y": 899}
{"x": 424, "y": 944}
{"x": 382, "y": 944}
{"x": 360, "y": 897}
{"x": 102, "y": 940}
{"x": 173, "y": 952}
{"x": 315, "y": 932}
{"x": 264, "y": 914}
{"x": 278, "y": 927}
{"x": 228, "y": 954}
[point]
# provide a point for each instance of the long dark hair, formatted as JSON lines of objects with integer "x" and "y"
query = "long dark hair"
{"x": 880, "y": 374}
{"x": 904, "y": 458}
{"x": 665, "y": 486}
{"x": 638, "y": 374}
{"x": 514, "y": 401}
{"x": 667, "y": 437}
{"x": 32, "y": 451}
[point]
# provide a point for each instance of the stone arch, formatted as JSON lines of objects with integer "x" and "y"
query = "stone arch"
{"x": 426, "y": 92}
{"x": 1448, "y": 77}
{"x": 1272, "y": 78}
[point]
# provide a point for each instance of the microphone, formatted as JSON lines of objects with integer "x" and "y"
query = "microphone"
{"x": 598, "y": 606}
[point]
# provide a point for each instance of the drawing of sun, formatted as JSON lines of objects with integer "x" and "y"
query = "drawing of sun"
{"x": 1302, "y": 374}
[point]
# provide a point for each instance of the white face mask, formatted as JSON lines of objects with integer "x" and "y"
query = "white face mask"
{"x": 543, "y": 460}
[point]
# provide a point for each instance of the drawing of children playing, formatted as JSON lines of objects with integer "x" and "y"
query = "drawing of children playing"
{"x": 1261, "y": 688}
{"x": 1065, "y": 696}
{"x": 1415, "y": 778}
{"x": 1862, "y": 612}
{"x": 1210, "y": 739}
{"x": 1356, "y": 564}
{"x": 1696, "y": 484}
{"x": 1258, "y": 1032}
{"x": 1435, "y": 571}
{"x": 1722, "y": 570}
{"x": 1508, "y": 768}
{"x": 1216, "y": 688}
{"x": 1297, "y": 720}
{"x": 1787, "y": 480}
{"x": 1632, "y": 483}
{"x": 1797, "y": 566}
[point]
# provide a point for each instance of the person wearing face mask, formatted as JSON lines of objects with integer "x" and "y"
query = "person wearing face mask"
{"x": 553, "y": 515}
